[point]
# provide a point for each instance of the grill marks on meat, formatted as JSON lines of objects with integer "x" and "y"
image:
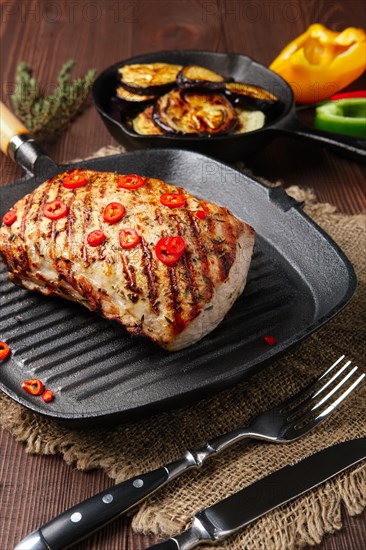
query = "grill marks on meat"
{"x": 191, "y": 290}
{"x": 131, "y": 286}
{"x": 27, "y": 206}
{"x": 130, "y": 276}
{"x": 178, "y": 322}
{"x": 87, "y": 217}
{"x": 23, "y": 257}
{"x": 149, "y": 268}
{"x": 203, "y": 254}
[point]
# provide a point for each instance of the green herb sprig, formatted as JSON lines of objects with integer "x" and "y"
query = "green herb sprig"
{"x": 46, "y": 116}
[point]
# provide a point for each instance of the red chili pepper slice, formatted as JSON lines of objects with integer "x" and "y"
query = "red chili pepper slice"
{"x": 201, "y": 214}
{"x": 74, "y": 180}
{"x": 270, "y": 340}
{"x": 346, "y": 95}
{"x": 132, "y": 181}
{"x": 170, "y": 249}
{"x": 173, "y": 200}
{"x": 113, "y": 212}
{"x": 33, "y": 386}
{"x": 55, "y": 210}
{"x": 48, "y": 396}
{"x": 129, "y": 238}
{"x": 10, "y": 217}
{"x": 95, "y": 238}
{"x": 4, "y": 351}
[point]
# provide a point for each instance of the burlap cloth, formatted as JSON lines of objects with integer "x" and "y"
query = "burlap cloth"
{"x": 143, "y": 445}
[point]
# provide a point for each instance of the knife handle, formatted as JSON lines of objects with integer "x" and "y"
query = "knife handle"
{"x": 92, "y": 514}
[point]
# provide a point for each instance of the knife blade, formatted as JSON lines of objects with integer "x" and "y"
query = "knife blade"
{"x": 230, "y": 515}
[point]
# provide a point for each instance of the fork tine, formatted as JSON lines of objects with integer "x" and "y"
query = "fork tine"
{"x": 307, "y": 426}
{"x": 333, "y": 391}
{"x": 301, "y": 406}
{"x": 293, "y": 404}
{"x": 332, "y": 367}
{"x": 342, "y": 397}
{"x": 338, "y": 373}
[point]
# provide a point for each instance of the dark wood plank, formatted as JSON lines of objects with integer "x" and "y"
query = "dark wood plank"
{"x": 99, "y": 33}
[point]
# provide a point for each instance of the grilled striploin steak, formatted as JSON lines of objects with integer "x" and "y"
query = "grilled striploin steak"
{"x": 147, "y": 254}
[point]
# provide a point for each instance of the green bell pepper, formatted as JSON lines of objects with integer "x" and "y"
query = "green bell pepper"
{"x": 344, "y": 116}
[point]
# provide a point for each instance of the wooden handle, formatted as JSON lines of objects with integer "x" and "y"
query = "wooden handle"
{"x": 10, "y": 126}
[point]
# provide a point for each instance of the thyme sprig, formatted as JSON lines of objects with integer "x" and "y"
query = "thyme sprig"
{"x": 46, "y": 116}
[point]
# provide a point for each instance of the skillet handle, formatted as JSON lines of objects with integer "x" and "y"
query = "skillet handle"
{"x": 19, "y": 145}
{"x": 348, "y": 146}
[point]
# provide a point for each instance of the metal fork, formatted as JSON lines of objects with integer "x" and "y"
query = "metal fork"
{"x": 283, "y": 423}
{"x": 300, "y": 413}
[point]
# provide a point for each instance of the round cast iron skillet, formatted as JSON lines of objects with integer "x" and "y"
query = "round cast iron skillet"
{"x": 226, "y": 147}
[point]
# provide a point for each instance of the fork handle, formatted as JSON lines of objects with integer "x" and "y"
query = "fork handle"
{"x": 224, "y": 441}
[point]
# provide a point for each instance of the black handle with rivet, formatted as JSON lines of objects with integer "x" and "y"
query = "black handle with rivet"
{"x": 92, "y": 514}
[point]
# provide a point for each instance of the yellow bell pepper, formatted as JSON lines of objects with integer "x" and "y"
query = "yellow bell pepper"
{"x": 320, "y": 62}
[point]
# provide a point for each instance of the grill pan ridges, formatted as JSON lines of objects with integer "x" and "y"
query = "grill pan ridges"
{"x": 100, "y": 374}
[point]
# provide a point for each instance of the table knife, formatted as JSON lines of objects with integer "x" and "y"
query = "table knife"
{"x": 230, "y": 515}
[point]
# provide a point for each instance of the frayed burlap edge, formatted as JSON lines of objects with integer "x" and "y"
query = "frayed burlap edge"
{"x": 304, "y": 521}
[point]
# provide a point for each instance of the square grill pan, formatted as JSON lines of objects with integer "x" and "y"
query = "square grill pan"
{"x": 100, "y": 375}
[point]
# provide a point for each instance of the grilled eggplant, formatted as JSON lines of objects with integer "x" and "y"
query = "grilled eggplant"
{"x": 144, "y": 124}
{"x": 248, "y": 121}
{"x": 125, "y": 95}
{"x": 129, "y": 279}
{"x": 204, "y": 103}
{"x": 196, "y": 77}
{"x": 152, "y": 78}
{"x": 190, "y": 113}
{"x": 248, "y": 95}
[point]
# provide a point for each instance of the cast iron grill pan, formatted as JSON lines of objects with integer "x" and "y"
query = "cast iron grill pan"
{"x": 101, "y": 375}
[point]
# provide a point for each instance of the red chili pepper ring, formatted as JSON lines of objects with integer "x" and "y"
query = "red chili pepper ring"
{"x": 10, "y": 217}
{"x": 170, "y": 249}
{"x": 74, "y": 180}
{"x": 55, "y": 210}
{"x": 33, "y": 386}
{"x": 129, "y": 238}
{"x": 113, "y": 212}
{"x": 4, "y": 351}
{"x": 172, "y": 200}
{"x": 95, "y": 238}
{"x": 132, "y": 181}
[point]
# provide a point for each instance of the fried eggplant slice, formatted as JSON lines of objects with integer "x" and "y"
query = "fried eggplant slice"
{"x": 143, "y": 123}
{"x": 248, "y": 121}
{"x": 125, "y": 95}
{"x": 151, "y": 78}
{"x": 248, "y": 95}
{"x": 188, "y": 113}
{"x": 196, "y": 77}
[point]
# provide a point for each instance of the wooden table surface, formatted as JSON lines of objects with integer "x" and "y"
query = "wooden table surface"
{"x": 96, "y": 34}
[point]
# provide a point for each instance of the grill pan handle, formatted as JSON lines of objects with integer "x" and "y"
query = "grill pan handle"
{"x": 20, "y": 146}
{"x": 348, "y": 146}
